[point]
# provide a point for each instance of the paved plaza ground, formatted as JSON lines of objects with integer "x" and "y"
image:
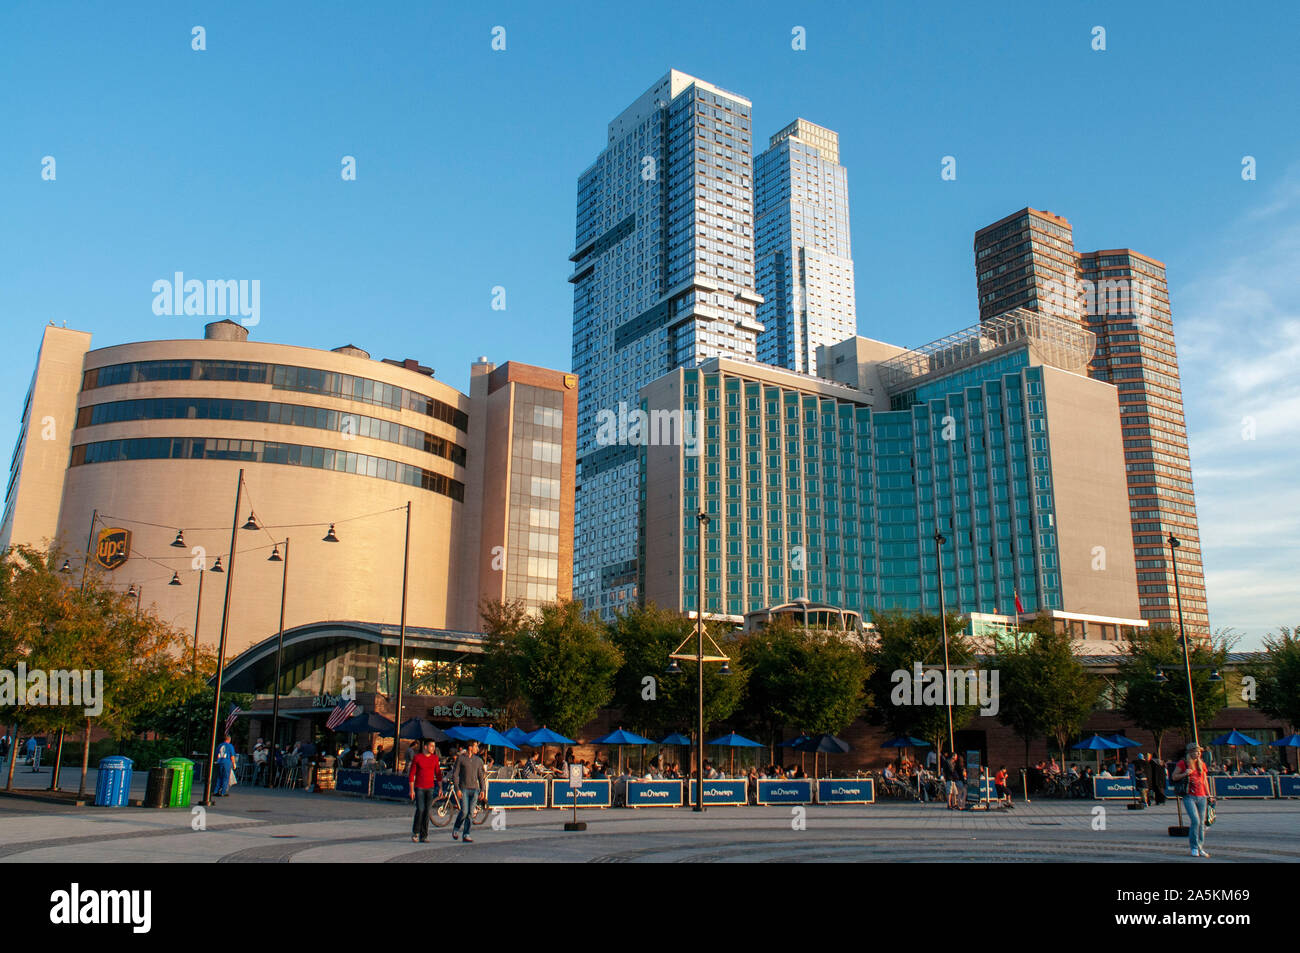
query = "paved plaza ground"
{"x": 255, "y": 825}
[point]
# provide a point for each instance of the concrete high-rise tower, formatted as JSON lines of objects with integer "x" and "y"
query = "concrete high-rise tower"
{"x": 1028, "y": 260}
{"x": 663, "y": 277}
{"x": 804, "y": 255}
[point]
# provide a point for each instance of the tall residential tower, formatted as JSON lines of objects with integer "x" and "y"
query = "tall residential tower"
{"x": 663, "y": 277}
{"x": 805, "y": 261}
{"x": 1028, "y": 260}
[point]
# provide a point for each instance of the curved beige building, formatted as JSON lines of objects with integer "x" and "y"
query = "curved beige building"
{"x": 152, "y": 436}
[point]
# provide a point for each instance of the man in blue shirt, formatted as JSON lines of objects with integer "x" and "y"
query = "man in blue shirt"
{"x": 225, "y": 759}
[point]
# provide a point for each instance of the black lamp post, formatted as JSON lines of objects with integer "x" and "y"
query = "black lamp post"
{"x": 401, "y": 638}
{"x": 939, "y": 540}
{"x": 702, "y": 520}
{"x": 221, "y": 645}
{"x": 279, "y": 655}
{"x": 1182, "y": 635}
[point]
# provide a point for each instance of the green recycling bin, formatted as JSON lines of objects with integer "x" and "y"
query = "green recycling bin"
{"x": 182, "y": 779}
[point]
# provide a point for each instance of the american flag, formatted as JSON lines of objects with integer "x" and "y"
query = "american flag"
{"x": 341, "y": 713}
{"x": 230, "y": 719}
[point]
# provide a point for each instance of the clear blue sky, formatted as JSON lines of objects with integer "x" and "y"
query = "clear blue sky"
{"x": 225, "y": 164}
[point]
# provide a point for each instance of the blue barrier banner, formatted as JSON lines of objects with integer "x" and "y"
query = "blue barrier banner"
{"x": 1288, "y": 785}
{"x": 1107, "y": 789}
{"x": 654, "y": 794}
{"x": 591, "y": 794}
{"x": 1250, "y": 785}
{"x": 784, "y": 791}
{"x": 394, "y": 786}
{"x": 721, "y": 792}
{"x": 846, "y": 791}
{"x": 519, "y": 792}
{"x": 350, "y": 781}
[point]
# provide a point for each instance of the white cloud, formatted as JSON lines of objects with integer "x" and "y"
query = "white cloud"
{"x": 1238, "y": 330}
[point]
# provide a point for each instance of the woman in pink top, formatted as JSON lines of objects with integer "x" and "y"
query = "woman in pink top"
{"x": 1195, "y": 801}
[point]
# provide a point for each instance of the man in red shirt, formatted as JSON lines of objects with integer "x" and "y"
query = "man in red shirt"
{"x": 425, "y": 778}
{"x": 1193, "y": 770}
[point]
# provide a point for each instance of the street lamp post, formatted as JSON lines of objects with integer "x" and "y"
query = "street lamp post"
{"x": 1182, "y": 635}
{"x": 401, "y": 641}
{"x": 702, "y": 521}
{"x": 90, "y": 544}
{"x": 279, "y": 655}
{"x": 939, "y": 540}
{"x": 198, "y": 608}
{"x": 221, "y": 645}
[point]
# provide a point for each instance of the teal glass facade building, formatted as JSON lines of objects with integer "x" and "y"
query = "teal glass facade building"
{"x": 822, "y": 492}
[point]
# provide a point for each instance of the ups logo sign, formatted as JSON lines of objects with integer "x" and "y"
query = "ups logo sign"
{"x": 113, "y": 547}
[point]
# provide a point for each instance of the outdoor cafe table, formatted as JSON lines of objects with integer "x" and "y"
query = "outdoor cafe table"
{"x": 592, "y": 793}
{"x": 846, "y": 791}
{"x": 517, "y": 793}
{"x": 785, "y": 791}
{"x": 654, "y": 793}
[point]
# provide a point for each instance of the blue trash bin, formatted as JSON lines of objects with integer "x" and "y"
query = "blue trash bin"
{"x": 113, "y": 786}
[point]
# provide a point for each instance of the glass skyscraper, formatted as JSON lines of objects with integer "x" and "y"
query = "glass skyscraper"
{"x": 663, "y": 277}
{"x": 1028, "y": 260}
{"x": 993, "y": 436}
{"x": 805, "y": 260}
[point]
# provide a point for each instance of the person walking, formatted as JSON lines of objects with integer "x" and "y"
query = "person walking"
{"x": 1196, "y": 800}
{"x": 469, "y": 777}
{"x": 1157, "y": 776}
{"x": 225, "y": 760}
{"x": 425, "y": 779}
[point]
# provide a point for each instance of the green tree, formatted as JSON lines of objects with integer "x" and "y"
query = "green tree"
{"x": 1277, "y": 689}
{"x": 1161, "y": 706}
{"x": 54, "y": 623}
{"x": 903, "y": 640}
{"x": 813, "y": 680}
{"x": 568, "y": 666}
{"x": 498, "y": 674}
{"x": 646, "y": 636}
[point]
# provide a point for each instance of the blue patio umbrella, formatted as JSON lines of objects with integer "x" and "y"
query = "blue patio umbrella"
{"x": 1234, "y": 738}
{"x": 1123, "y": 741}
{"x": 1290, "y": 741}
{"x": 822, "y": 743}
{"x": 734, "y": 741}
{"x": 367, "y": 722}
{"x": 518, "y": 736}
{"x": 483, "y": 734}
{"x": 905, "y": 741}
{"x": 421, "y": 730}
{"x": 619, "y": 738}
{"x": 676, "y": 738}
{"x": 795, "y": 741}
{"x": 1098, "y": 744}
{"x": 543, "y": 736}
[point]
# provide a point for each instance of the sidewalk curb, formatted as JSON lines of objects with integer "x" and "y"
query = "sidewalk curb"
{"x": 47, "y": 797}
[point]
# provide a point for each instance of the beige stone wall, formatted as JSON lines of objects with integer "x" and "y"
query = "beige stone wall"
{"x": 46, "y": 439}
{"x": 1091, "y": 495}
{"x": 664, "y": 517}
{"x": 358, "y": 579}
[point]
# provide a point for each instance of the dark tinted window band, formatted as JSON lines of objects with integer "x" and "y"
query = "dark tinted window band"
{"x": 259, "y": 451}
{"x": 259, "y": 411}
{"x": 306, "y": 380}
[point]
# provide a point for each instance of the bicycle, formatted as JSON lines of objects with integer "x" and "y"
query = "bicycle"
{"x": 447, "y": 805}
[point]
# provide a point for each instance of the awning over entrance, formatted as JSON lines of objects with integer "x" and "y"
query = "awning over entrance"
{"x": 312, "y": 647}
